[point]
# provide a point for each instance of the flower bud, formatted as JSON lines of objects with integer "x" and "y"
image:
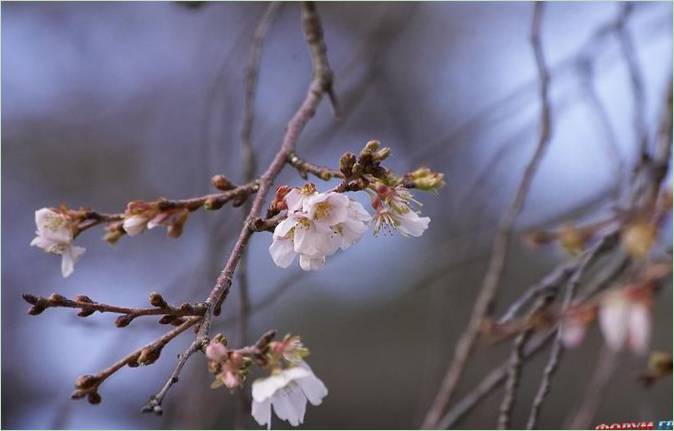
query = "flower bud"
{"x": 83, "y": 298}
{"x": 425, "y": 179}
{"x": 86, "y": 312}
{"x": 346, "y": 163}
{"x": 638, "y": 237}
{"x": 381, "y": 154}
{"x": 220, "y": 182}
{"x": 93, "y": 398}
{"x": 572, "y": 239}
{"x": 123, "y": 320}
{"x": 31, "y": 299}
{"x": 57, "y": 299}
{"x": 157, "y": 300}
{"x": 86, "y": 382}
{"x": 175, "y": 229}
{"x": 213, "y": 204}
{"x": 149, "y": 355}
{"x": 113, "y": 232}
{"x": 370, "y": 147}
{"x": 77, "y": 395}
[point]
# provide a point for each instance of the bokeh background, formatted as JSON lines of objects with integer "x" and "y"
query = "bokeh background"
{"x": 107, "y": 102}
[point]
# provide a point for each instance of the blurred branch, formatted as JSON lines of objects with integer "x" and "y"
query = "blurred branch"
{"x": 636, "y": 80}
{"x": 489, "y": 287}
{"x": 249, "y": 163}
{"x": 606, "y": 364}
{"x": 557, "y": 348}
{"x": 599, "y": 282}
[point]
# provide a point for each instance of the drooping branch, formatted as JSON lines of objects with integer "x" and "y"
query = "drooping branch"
{"x": 496, "y": 266}
{"x": 319, "y": 85}
{"x": 249, "y": 164}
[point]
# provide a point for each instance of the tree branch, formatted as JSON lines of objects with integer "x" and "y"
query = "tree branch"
{"x": 490, "y": 284}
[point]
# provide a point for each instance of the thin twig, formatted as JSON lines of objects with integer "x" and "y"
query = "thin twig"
{"x": 557, "y": 348}
{"x": 497, "y": 262}
{"x": 87, "y": 385}
{"x": 320, "y": 84}
{"x": 154, "y": 404}
{"x": 249, "y": 164}
{"x": 88, "y": 307}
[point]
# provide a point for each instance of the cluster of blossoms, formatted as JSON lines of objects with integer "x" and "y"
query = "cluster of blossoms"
{"x": 288, "y": 387}
{"x": 319, "y": 224}
{"x": 140, "y": 215}
{"x": 56, "y": 230}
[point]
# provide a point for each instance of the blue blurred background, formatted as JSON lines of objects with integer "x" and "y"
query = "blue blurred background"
{"x": 108, "y": 102}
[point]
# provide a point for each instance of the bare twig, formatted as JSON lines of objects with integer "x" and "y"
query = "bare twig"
{"x": 87, "y": 385}
{"x": 602, "y": 280}
{"x": 557, "y": 348}
{"x": 88, "y": 307}
{"x": 497, "y": 262}
{"x": 304, "y": 167}
{"x": 249, "y": 163}
{"x": 319, "y": 85}
{"x": 154, "y": 404}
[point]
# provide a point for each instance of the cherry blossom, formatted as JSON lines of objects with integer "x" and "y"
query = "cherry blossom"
{"x": 55, "y": 235}
{"x": 287, "y": 391}
{"x": 318, "y": 224}
{"x": 625, "y": 319}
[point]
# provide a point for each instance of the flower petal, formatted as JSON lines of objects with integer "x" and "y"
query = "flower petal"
{"x": 639, "y": 327}
{"x": 261, "y": 411}
{"x": 283, "y": 407}
{"x": 312, "y": 386}
{"x": 411, "y": 224}
{"x": 309, "y": 263}
{"x": 613, "y": 320}
{"x": 134, "y": 225}
{"x": 282, "y": 252}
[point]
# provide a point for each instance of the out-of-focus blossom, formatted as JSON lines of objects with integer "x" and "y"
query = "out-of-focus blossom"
{"x": 625, "y": 319}
{"x": 55, "y": 234}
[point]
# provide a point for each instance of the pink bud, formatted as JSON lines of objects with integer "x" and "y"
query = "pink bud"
{"x": 216, "y": 352}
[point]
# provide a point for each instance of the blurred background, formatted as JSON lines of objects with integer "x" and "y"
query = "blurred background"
{"x": 108, "y": 102}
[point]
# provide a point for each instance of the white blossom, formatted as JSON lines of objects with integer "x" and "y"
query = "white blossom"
{"x": 394, "y": 209}
{"x": 318, "y": 224}
{"x": 405, "y": 220}
{"x": 135, "y": 224}
{"x": 354, "y": 227}
{"x": 625, "y": 321}
{"x": 55, "y": 235}
{"x": 287, "y": 391}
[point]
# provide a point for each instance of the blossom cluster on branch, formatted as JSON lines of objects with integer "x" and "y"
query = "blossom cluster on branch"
{"x": 306, "y": 223}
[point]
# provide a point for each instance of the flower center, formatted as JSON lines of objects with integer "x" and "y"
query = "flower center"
{"x": 322, "y": 210}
